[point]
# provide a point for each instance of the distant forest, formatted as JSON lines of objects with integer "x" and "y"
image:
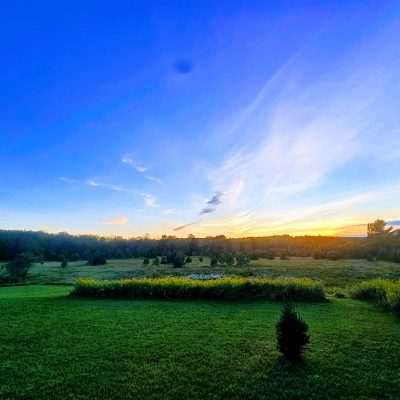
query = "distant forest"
{"x": 381, "y": 244}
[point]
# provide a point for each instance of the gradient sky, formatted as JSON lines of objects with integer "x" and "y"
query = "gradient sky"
{"x": 206, "y": 117}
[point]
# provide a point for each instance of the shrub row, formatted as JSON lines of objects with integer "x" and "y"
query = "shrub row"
{"x": 220, "y": 289}
{"x": 385, "y": 293}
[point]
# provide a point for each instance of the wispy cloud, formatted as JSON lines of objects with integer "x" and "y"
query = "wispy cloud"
{"x": 207, "y": 210}
{"x": 130, "y": 161}
{"x": 212, "y": 204}
{"x": 117, "y": 220}
{"x": 126, "y": 159}
{"x": 67, "y": 180}
{"x": 150, "y": 200}
{"x": 303, "y": 130}
{"x": 179, "y": 228}
{"x": 216, "y": 199}
{"x": 153, "y": 179}
{"x": 116, "y": 188}
{"x": 211, "y": 207}
{"x": 168, "y": 211}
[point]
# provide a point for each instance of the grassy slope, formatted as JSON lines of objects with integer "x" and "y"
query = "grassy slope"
{"x": 57, "y": 347}
{"x": 332, "y": 273}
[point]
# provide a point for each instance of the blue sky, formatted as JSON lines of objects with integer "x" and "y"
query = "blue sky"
{"x": 230, "y": 117}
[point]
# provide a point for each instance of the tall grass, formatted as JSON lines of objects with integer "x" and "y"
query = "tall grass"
{"x": 383, "y": 292}
{"x": 300, "y": 289}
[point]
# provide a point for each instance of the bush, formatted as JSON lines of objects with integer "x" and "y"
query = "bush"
{"x": 64, "y": 263}
{"x": 96, "y": 259}
{"x": 164, "y": 260}
{"x": 291, "y": 333}
{"x": 156, "y": 261}
{"x": 217, "y": 289}
{"x": 332, "y": 255}
{"x": 188, "y": 260}
{"x": 242, "y": 260}
{"x": 17, "y": 269}
{"x": 200, "y": 259}
{"x": 213, "y": 261}
{"x": 230, "y": 259}
{"x": 383, "y": 292}
{"x": 178, "y": 261}
{"x": 146, "y": 261}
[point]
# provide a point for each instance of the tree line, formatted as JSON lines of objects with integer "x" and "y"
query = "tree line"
{"x": 382, "y": 243}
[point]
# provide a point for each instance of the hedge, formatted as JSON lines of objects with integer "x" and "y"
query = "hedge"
{"x": 299, "y": 289}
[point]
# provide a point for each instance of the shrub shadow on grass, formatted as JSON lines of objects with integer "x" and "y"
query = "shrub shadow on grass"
{"x": 286, "y": 377}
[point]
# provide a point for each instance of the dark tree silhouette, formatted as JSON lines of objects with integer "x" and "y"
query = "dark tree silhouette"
{"x": 17, "y": 270}
{"x": 291, "y": 333}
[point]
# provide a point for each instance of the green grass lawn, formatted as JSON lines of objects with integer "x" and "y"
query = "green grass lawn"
{"x": 332, "y": 273}
{"x": 52, "y": 346}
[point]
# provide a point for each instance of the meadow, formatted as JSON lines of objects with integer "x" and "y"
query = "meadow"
{"x": 338, "y": 273}
{"x": 55, "y": 346}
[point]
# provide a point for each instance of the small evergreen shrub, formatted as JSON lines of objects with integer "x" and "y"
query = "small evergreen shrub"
{"x": 146, "y": 261}
{"x": 156, "y": 261}
{"x": 291, "y": 334}
{"x": 64, "y": 263}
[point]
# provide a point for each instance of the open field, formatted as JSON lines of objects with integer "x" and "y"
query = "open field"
{"x": 57, "y": 347}
{"x": 333, "y": 273}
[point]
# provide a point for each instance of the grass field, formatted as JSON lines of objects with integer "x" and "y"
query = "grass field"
{"x": 332, "y": 273}
{"x": 53, "y": 346}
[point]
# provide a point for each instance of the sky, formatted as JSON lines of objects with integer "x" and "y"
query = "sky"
{"x": 199, "y": 117}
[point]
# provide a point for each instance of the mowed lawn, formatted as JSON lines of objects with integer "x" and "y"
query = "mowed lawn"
{"x": 333, "y": 273}
{"x": 53, "y": 346}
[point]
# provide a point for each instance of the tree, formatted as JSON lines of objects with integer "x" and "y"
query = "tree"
{"x": 213, "y": 261}
{"x": 242, "y": 260}
{"x": 188, "y": 260}
{"x": 291, "y": 333}
{"x": 17, "y": 269}
{"x": 229, "y": 259}
{"x": 96, "y": 259}
{"x": 178, "y": 260}
{"x": 156, "y": 261}
{"x": 64, "y": 263}
{"x": 146, "y": 261}
{"x": 378, "y": 227}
